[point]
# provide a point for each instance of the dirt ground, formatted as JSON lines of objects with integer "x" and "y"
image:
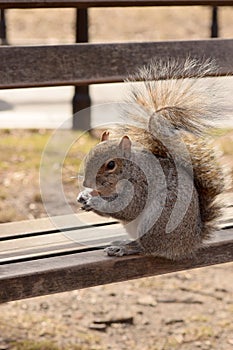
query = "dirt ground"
{"x": 186, "y": 311}
{"x": 190, "y": 310}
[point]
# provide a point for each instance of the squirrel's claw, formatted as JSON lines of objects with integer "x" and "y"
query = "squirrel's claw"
{"x": 115, "y": 251}
{"x": 86, "y": 207}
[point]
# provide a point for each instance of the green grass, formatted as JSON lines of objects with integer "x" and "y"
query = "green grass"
{"x": 10, "y": 214}
{"x": 223, "y": 138}
{"x": 31, "y": 345}
{"x": 45, "y": 345}
{"x": 217, "y": 132}
{"x": 23, "y": 149}
{"x": 21, "y": 152}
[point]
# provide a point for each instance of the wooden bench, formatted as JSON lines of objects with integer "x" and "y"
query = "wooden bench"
{"x": 42, "y": 257}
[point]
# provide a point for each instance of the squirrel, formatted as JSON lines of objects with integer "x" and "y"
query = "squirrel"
{"x": 158, "y": 174}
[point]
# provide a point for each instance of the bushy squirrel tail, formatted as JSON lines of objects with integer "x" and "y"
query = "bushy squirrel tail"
{"x": 172, "y": 91}
{"x": 174, "y": 105}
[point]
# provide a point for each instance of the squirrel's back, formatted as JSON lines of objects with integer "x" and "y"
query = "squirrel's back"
{"x": 171, "y": 118}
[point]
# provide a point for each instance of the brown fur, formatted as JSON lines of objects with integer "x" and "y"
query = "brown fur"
{"x": 170, "y": 120}
{"x": 189, "y": 107}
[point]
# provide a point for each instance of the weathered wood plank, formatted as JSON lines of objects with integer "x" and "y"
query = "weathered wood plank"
{"x": 97, "y": 63}
{"x": 45, "y": 245}
{"x": 55, "y": 224}
{"x": 75, "y": 271}
{"x": 40, "y": 238}
{"x": 27, "y": 228}
{"x": 109, "y": 3}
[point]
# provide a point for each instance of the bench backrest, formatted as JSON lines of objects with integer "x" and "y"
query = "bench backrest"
{"x": 99, "y": 63}
{"x": 82, "y": 64}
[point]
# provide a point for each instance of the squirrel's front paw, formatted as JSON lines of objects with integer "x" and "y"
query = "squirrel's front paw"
{"x": 84, "y": 196}
{"x": 88, "y": 199}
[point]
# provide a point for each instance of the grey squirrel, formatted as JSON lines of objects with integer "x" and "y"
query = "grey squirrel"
{"x": 157, "y": 174}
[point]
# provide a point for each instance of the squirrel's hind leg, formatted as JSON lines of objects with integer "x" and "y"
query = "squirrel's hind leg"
{"x": 120, "y": 248}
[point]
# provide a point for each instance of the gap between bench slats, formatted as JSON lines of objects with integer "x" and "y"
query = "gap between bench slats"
{"x": 109, "y": 3}
{"x": 35, "y": 66}
{"x": 51, "y": 225}
{"x": 70, "y": 222}
{"x": 47, "y": 245}
{"x": 34, "y": 239}
{"x": 17, "y": 243}
{"x": 63, "y": 242}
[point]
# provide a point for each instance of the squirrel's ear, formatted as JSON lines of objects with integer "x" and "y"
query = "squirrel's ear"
{"x": 104, "y": 136}
{"x": 125, "y": 144}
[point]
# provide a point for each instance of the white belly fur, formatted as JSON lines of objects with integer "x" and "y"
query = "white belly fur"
{"x": 132, "y": 227}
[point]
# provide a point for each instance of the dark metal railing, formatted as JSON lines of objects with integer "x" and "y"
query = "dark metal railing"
{"x": 3, "y": 38}
{"x": 214, "y": 25}
{"x": 81, "y": 99}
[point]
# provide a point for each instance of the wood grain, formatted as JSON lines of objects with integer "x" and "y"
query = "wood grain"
{"x": 51, "y": 225}
{"x": 35, "y": 66}
{"x": 82, "y": 270}
{"x": 44, "y": 245}
{"x": 109, "y": 3}
{"x": 36, "y": 239}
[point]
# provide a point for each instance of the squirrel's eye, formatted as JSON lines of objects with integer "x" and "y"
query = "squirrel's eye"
{"x": 111, "y": 165}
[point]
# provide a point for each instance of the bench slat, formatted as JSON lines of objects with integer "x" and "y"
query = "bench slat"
{"x": 51, "y": 236}
{"x": 54, "y": 224}
{"x": 51, "y": 244}
{"x": 109, "y": 3}
{"x": 28, "y": 228}
{"x": 73, "y": 241}
{"x": 61, "y": 245}
{"x": 87, "y": 269}
{"x": 67, "y": 64}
